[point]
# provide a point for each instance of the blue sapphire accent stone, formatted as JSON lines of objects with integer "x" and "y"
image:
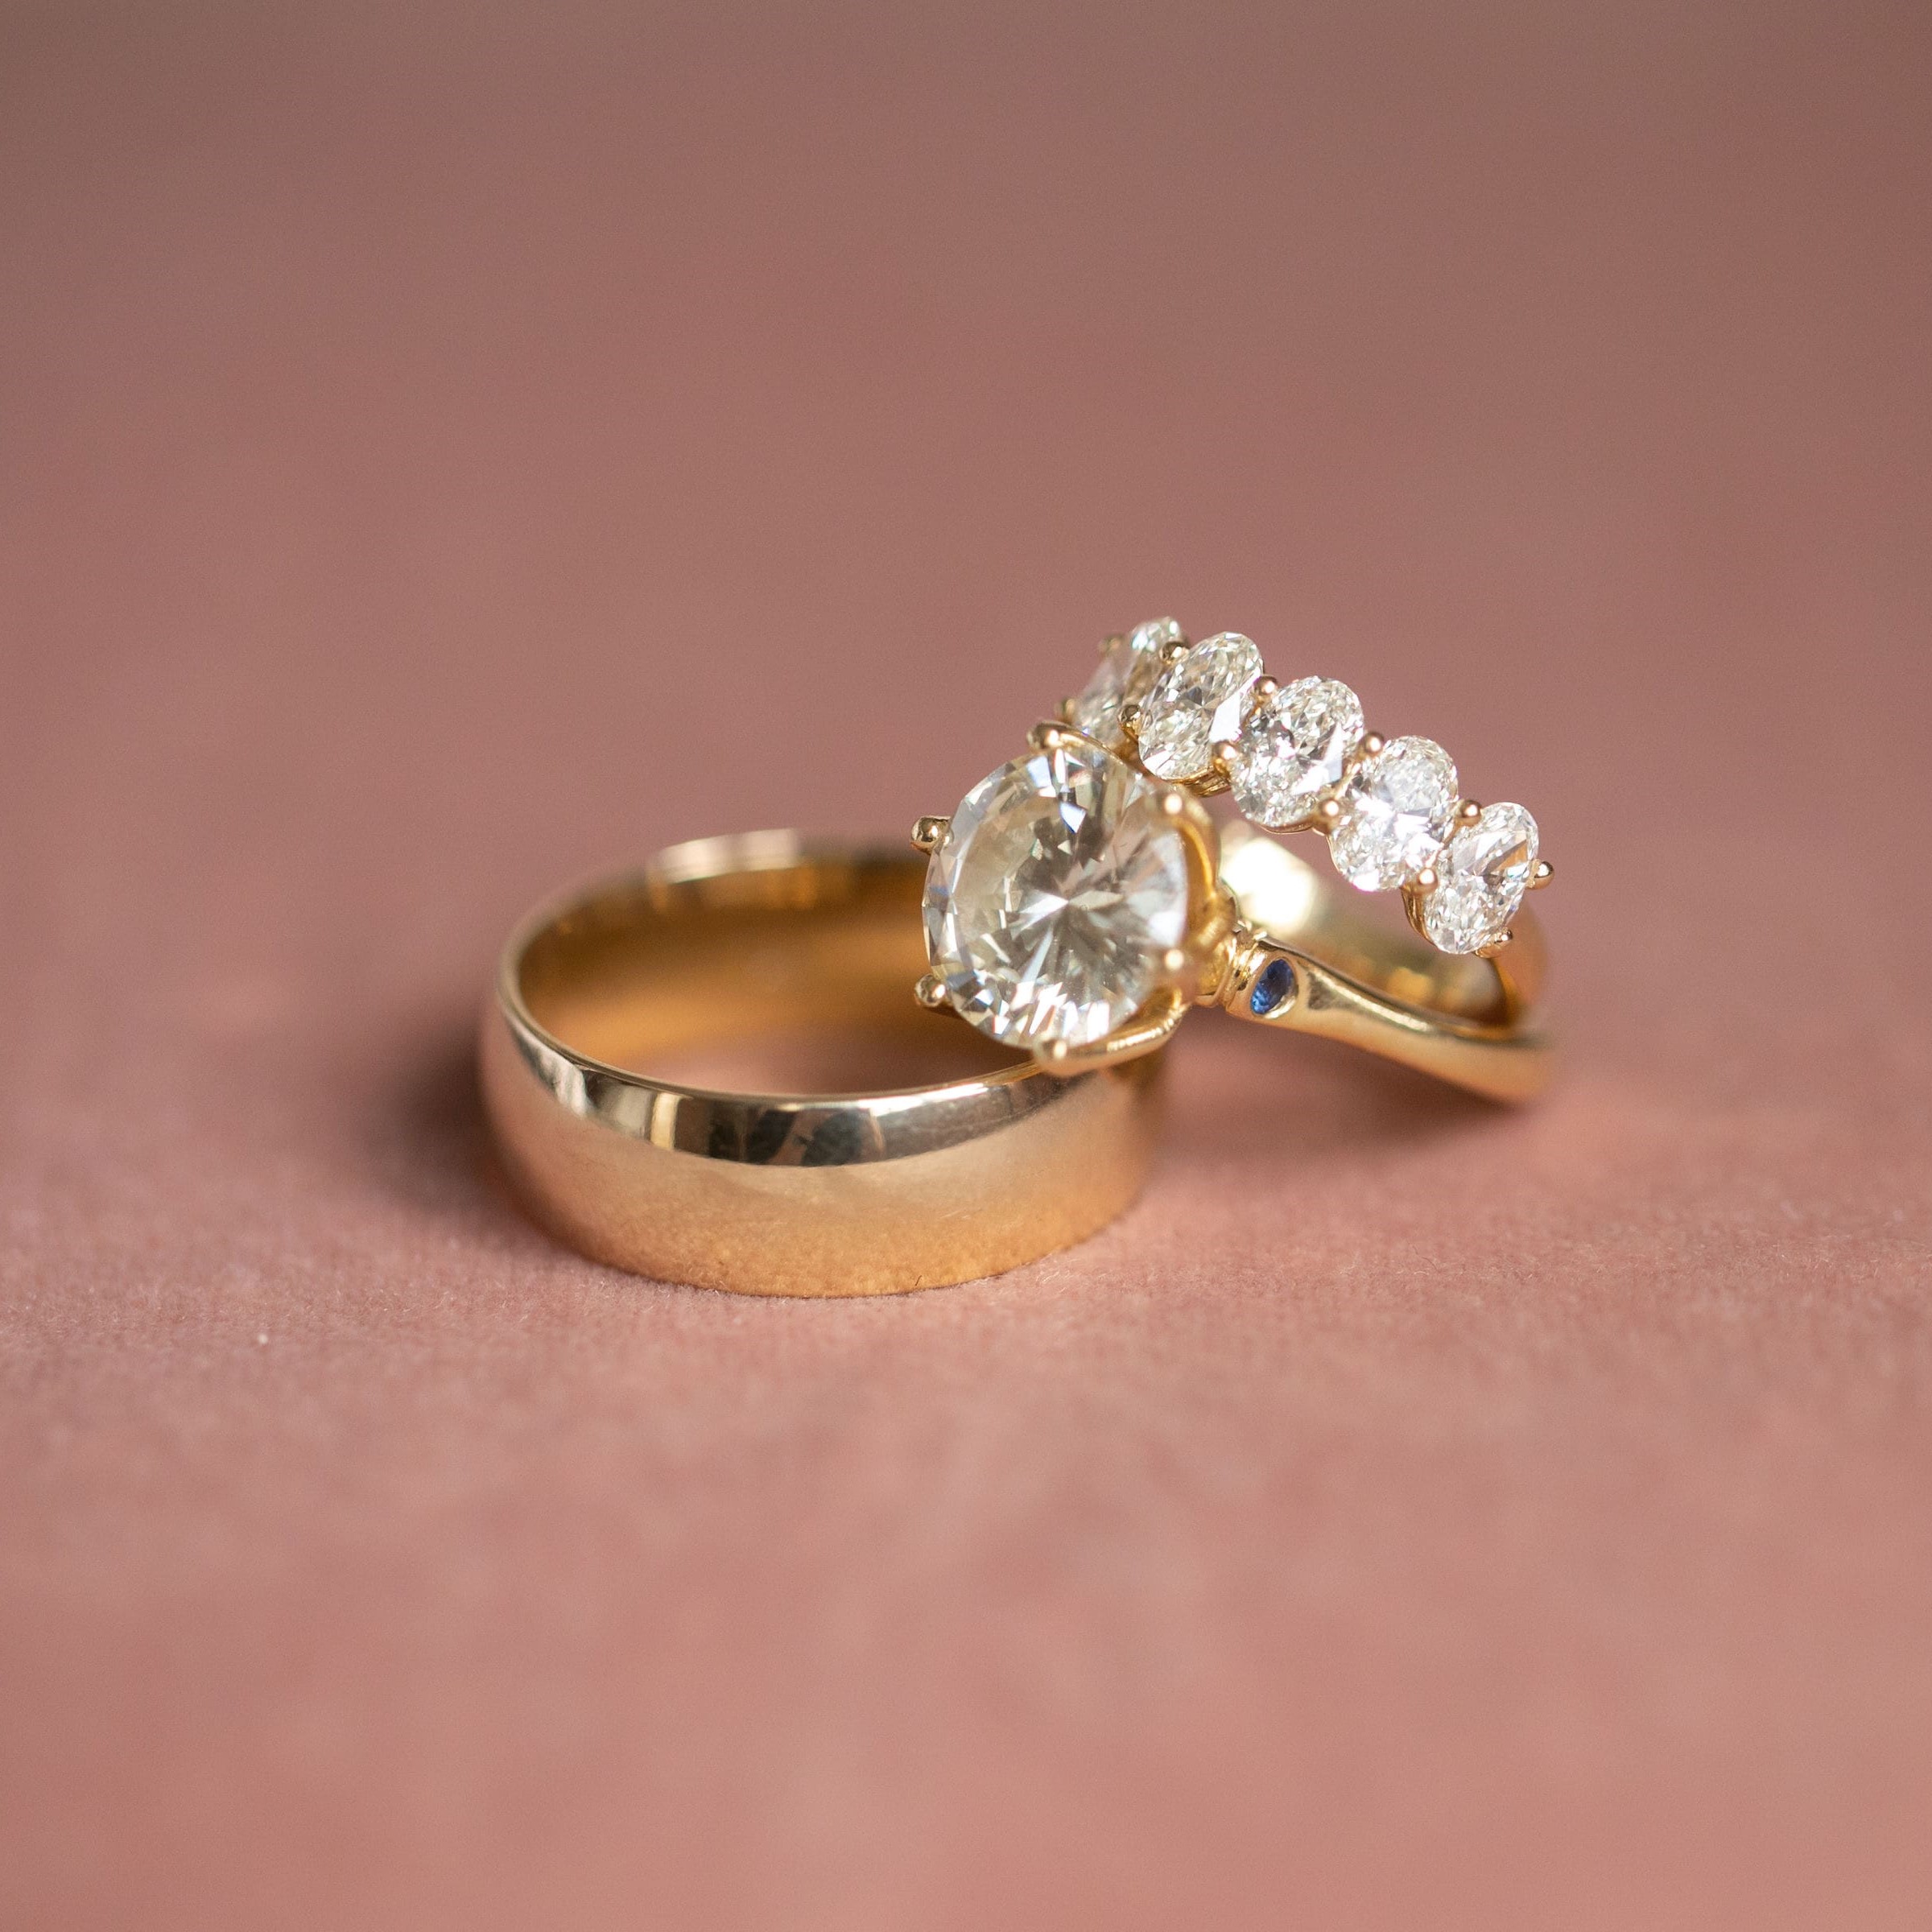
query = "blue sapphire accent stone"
{"x": 1273, "y": 990}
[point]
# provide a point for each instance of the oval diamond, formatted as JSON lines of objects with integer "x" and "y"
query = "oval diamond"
{"x": 1482, "y": 874}
{"x": 1291, "y": 751}
{"x": 1053, "y": 896}
{"x": 1396, "y": 809}
{"x": 1126, "y": 674}
{"x": 1198, "y": 702}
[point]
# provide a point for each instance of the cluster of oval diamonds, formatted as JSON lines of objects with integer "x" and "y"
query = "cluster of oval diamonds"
{"x": 1299, "y": 757}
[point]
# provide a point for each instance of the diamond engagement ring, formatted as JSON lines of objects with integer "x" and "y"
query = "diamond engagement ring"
{"x": 1082, "y": 898}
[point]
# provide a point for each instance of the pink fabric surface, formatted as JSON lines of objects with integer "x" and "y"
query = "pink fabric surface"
{"x": 444, "y": 452}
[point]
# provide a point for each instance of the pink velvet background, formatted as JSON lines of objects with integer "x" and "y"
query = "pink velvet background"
{"x": 441, "y": 450}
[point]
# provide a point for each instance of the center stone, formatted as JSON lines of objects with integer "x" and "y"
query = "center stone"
{"x": 1052, "y": 897}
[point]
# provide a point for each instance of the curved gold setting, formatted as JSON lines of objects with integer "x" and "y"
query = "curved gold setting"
{"x": 1270, "y": 941}
{"x": 1304, "y": 959}
{"x": 1487, "y": 867}
{"x": 602, "y": 1000}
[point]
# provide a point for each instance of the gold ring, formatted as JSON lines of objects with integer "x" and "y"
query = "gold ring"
{"x": 1081, "y": 897}
{"x": 638, "y": 1158}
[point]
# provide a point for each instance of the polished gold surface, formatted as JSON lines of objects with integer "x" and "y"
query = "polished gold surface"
{"x": 1343, "y": 975}
{"x": 618, "y": 1034}
{"x": 1338, "y": 972}
{"x": 1453, "y": 996}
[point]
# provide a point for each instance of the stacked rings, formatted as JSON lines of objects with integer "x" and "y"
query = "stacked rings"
{"x": 1072, "y": 908}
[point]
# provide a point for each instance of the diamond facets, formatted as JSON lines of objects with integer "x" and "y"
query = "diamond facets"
{"x": 1298, "y": 758}
{"x": 1481, "y": 876}
{"x": 1291, "y": 750}
{"x": 1197, "y": 703}
{"x": 1396, "y": 808}
{"x": 1126, "y": 674}
{"x": 1060, "y": 884}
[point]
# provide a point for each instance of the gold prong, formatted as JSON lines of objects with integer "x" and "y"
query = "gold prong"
{"x": 1469, "y": 812}
{"x": 1263, "y": 689}
{"x": 1174, "y": 959}
{"x": 1131, "y": 721}
{"x": 1106, "y": 644}
{"x": 1224, "y": 757}
{"x": 1328, "y": 814}
{"x": 1210, "y": 906}
{"x": 1143, "y": 1033}
{"x": 1544, "y": 872}
{"x": 1425, "y": 881}
{"x": 1373, "y": 741}
{"x": 930, "y": 992}
{"x": 1172, "y": 654}
{"x": 1063, "y": 711}
{"x": 926, "y": 833}
{"x": 1046, "y": 736}
{"x": 1495, "y": 946}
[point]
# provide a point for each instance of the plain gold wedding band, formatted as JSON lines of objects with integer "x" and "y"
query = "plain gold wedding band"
{"x": 728, "y": 941}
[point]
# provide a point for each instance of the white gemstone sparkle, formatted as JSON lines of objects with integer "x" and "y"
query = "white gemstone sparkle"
{"x": 1126, "y": 674}
{"x": 1049, "y": 904}
{"x": 1298, "y": 758}
{"x": 1396, "y": 808}
{"x": 1198, "y": 702}
{"x": 1482, "y": 874}
{"x": 1291, "y": 751}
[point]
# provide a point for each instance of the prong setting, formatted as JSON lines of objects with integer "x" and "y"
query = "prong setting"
{"x": 1145, "y": 1032}
{"x": 1304, "y": 761}
{"x": 1486, "y": 864}
{"x": 1115, "y": 907}
{"x": 1297, "y": 758}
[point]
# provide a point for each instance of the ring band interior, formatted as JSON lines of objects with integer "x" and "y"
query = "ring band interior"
{"x": 709, "y": 970}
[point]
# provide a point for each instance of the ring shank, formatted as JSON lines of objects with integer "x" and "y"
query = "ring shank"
{"x": 1340, "y": 975}
{"x": 728, "y": 944}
